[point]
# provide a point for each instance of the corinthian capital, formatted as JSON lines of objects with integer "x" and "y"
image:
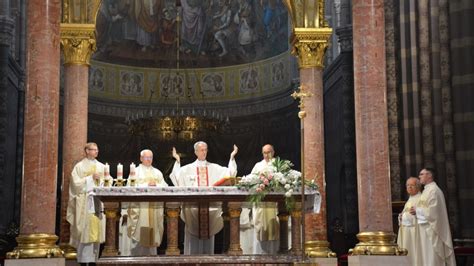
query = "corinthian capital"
{"x": 78, "y": 43}
{"x": 309, "y": 45}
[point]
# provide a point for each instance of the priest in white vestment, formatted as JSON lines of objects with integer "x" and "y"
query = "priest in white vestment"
{"x": 196, "y": 174}
{"x": 436, "y": 245}
{"x": 142, "y": 229}
{"x": 408, "y": 226}
{"x": 265, "y": 214}
{"x": 84, "y": 213}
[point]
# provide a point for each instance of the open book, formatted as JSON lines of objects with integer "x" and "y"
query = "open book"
{"x": 226, "y": 181}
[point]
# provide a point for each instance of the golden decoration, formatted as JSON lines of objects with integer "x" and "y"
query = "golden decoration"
{"x": 111, "y": 213}
{"x": 301, "y": 94}
{"x": 306, "y": 13}
{"x": 78, "y": 43}
{"x": 283, "y": 217}
{"x": 235, "y": 213}
{"x": 318, "y": 249}
{"x": 80, "y": 11}
{"x": 377, "y": 243}
{"x": 309, "y": 45}
{"x": 36, "y": 246}
{"x": 172, "y": 213}
{"x": 70, "y": 253}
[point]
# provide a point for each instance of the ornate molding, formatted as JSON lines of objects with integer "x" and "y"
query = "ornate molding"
{"x": 307, "y": 13}
{"x": 79, "y": 11}
{"x": 7, "y": 25}
{"x": 309, "y": 45}
{"x": 78, "y": 43}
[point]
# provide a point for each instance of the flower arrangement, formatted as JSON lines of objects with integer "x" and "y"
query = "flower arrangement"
{"x": 278, "y": 177}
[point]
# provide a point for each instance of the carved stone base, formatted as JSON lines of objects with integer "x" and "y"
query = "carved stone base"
{"x": 36, "y": 246}
{"x": 377, "y": 243}
{"x": 318, "y": 249}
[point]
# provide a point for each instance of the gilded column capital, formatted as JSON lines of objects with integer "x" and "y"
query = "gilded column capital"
{"x": 309, "y": 45}
{"x": 78, "y": 43}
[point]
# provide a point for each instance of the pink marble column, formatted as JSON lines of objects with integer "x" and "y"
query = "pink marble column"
{"x": 74, "y": 132}
{"x": 371, "y": 121}
{"x": 312, "y": 82}
{"x": 38, "y": 204}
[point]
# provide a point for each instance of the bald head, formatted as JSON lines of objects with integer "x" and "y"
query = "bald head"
{"x": 268, "y": 152}
{"x": 413, "y": 186}
{"x": 146, "y": 157}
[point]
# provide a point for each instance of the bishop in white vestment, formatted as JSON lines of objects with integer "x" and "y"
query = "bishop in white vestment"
{"x": 436, "y": 245}
{"x": 265, "y": 214}
{"x": 408, "y": 230}
{"x": 84, "y": 213}
{"x": 142, "y": 232}
{"x": 198, "y": 240}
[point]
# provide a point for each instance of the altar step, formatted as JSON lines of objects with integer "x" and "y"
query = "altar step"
{"x": 202, "y": 260}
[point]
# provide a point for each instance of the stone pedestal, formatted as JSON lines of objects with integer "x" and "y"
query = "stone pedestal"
{"x": 318, "y": 262}
{"x": 36, "y": 262}
{"x": 379, "y": 260}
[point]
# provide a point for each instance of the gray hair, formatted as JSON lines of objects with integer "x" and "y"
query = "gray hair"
{"x": 142, "y": 153}
{"x": 417, "y": 182}
{"x": 199, "y": 143}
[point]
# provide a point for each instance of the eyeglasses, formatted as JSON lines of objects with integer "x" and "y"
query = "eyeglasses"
{"x": 147, "y": 157}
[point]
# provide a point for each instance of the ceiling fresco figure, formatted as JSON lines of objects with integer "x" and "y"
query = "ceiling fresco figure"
{"x": 213, "y": 33}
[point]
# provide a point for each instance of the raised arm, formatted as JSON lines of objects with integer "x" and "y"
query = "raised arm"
{"x": 232, "y": 164}
{"x": 176, "y": 167}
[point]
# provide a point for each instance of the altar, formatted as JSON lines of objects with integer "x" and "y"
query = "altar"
{"x": 231, "y": 198}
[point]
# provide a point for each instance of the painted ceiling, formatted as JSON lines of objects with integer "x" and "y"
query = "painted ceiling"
{"x": 201, "y": 33}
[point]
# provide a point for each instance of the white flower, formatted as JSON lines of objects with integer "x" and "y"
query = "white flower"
{"x": 288, "y": 194}
{"x": 278, "y": 176}
{"x": 287, "y": 186}
{"x": 282, "y": 181}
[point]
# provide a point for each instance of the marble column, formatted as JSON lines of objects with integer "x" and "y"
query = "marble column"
{"x": 371, "y": 123}
{"x": 78, "y": 43}
{"x": 310, "y": 45}
{"x": 38, "y": 205}
{"x": 234, "y": 221}
{"x": 172, "y": 216}
{"x": 112, "y": 215}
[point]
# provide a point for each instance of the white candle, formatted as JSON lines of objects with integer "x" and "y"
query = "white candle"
{"x": 132, "y": 169}
{"x": 119, "y": 171}
{"x": 106, "y": 169}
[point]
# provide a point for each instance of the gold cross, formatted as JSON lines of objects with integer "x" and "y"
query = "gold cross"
{"x": 301, "y": 94}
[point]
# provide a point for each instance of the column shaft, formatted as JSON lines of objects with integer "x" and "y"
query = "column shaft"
{"x": 371, "y": 120}
{"x": 311, "y": 80}
{"x": 74, "y": 132}
{"x": 38, "y": 205}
